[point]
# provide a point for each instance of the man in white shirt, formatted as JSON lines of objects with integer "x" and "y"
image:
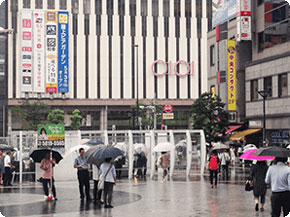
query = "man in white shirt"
{"x": 225, "y": 161}
{"x": 8, "y": 169}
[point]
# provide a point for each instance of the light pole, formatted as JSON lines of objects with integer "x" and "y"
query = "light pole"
{"x": 137, "y": 84}
{"x": 264, "y": 94}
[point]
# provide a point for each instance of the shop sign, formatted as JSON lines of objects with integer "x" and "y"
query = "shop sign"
{"x": 231, "y": 75}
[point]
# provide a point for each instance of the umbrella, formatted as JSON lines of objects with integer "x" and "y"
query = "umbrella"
{"x": 233, "y": 143}
{"x": 106, "y": 152}
{"x": 84, "y": 141}
{"x": 122, "y": 146}
{"x": 288, "y": 147}
{"x": 77, "y": 148}
{"x": 163, "y": 147}
{"x": 96, "y": 141}
{"x": 249, "y": 147}
{"x": 248, "y": 155}
{"x": 38, "y": 154}
{"x": 5, "y": 147}
{"x": 220, "y": 146}
{"x": 139, "y": 148}
{"x": 89, "y": 155}
{"x": 275, "y": 151}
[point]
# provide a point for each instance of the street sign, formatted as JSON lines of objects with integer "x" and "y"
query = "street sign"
{"x": 168, "y": 108}
{"x": 168, "y": 116}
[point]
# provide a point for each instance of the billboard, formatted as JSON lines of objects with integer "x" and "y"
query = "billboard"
{"x": 244, "y": 20}
{"x": 38, "y": 51}
{"x": 223, "y": 10}
{"x": 231, "y": 75}
{"x": 63, "y": 46}
{"x": 51, "y": 135}
{"x": 26, "y": 51}
{"x": 51, "y": 51}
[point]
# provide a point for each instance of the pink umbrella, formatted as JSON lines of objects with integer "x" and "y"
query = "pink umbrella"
{"x": 248, "y": 155}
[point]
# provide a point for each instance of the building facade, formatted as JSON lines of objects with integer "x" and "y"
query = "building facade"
{"x": 269, "y": 70}
{"x": 101, "y": 55}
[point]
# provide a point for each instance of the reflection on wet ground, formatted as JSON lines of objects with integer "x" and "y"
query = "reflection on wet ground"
{"x": 178, "y": 197}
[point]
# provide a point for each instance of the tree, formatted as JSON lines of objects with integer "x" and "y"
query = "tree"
{"x": 32, "y": 115}
{"x": 208, "y": 113}
{"x": 56, "y": 116}
{"x": 76, "y": 119}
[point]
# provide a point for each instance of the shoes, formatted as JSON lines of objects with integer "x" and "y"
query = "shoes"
{"x": 215, "y": 186}
{"x": 257, "y": 207}
{"x": 108, "y": 206}
{"x": 101, "y": 202}
{"x": 211, "y": 186}
{"x": 82, "y": 198}
{"x": 262, "y": 209}
{"x": 89, "y": 199}
{"x": 9, "y": 185}
{"x": 54, "y": 198}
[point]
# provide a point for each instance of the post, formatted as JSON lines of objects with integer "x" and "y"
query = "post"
{"x": 155, "y": 116}
{"x": 264, "y": 94}
{"x": 20, "y": 157}
{"x": 137, "y": 86}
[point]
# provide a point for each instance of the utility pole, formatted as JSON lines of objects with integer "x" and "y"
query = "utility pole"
{"x": 155, "y": 116}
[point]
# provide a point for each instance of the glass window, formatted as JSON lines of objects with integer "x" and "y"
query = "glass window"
{"x": 188, "y": 8}
{"x": 75, "y": 6}
{"x": 166, "y": 8}
{"x": 87, "y": 6}
{"x": 260, "y": 2}
{"x": 283, "y": 85}
{"x": 132, "y": 8}
{"x": 212, "y": 55}
{"x": 144, "y": 5}
{"x": 155, "y": 8}
{"x": 177, "y": 8}
{"x": 110, "y": 7}
{"x": 98, "y": 5}
{"x": 254, "y": 90}
{"x": 50, "y": 4}
{"x": 260, "y": 41}
{"x": 121, "y": 7}
{"x": 26, "y": 3}
{"x": 38, "y": 4}
{"x": 268, "y": 85}
{"x": 62, "y": 4}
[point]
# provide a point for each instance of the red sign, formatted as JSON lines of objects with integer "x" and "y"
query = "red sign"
{"x": 168, "y": 108}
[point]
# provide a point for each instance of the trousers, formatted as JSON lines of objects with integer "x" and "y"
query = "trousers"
{"x": 213, "y": 174}
{"x": 45, "y": 183}
{"x": 108, "y": 192}
{"x": 280, "y": 200}
{"x": 84, "y": 182}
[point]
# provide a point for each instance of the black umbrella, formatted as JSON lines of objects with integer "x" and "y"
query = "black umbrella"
{"x": 106, "y": 152}
{"x": 233, "y": 143}
{"x": 5, "y": 147}
{"x": 95, "y": 141}
{"x": 38, "y": 154}
{"x": 89, "y": 155}
{"x": 274, "y": 151}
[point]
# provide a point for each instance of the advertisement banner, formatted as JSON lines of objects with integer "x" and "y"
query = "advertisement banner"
{"x": 223, "y": 10}
{"x": 244, "y": 8}
{"x": 63, "y": 52}
{"x": 231, "y": 75}
{"x": 38, "y": 51}
{"x": 51, "y": 135}
{"x": 244, "y": 28}
{"x": 51, "y": 51}
{"x": 26, "y": 51}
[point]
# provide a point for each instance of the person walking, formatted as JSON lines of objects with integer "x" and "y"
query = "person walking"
{"x": 108, "y": 171}
{"x": 258, "y": 175}
{"x": 164, "y": 162}
{"x": 225, "y": 160}
{"x": 97, "y": 192}
{"x": 8, "y": 169}
{"x": 83, "y": 175}
{"x": 47, "y": 165}
{"x": 278, "y": 176}
{"x": 213, "y": 166}
{"x": 2, "y": 169}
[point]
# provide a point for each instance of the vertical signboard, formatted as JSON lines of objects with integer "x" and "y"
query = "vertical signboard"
{"x": 231, "y": 77}
{"x": 26, "y": 51}
{"x": 38, "y": 51}
{"x": 244, "y": 20}
{"x": 51, "y": 51}
{"x": 63, "y": 52}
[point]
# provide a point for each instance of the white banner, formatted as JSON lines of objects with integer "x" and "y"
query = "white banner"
{"x": 51, "y": 51}
{"x": 244, "y": 28}
{"x": 38, "y": 51}
{"x": 26, "y": 51}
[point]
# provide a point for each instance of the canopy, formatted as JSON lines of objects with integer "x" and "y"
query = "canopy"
{"x": 240, "y": 135}
{"x": 232, "y": 128}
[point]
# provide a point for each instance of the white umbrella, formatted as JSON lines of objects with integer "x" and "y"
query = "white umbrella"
{"x": 288, "y": 147}
{"x": 122, "y": 146}
{"x": 248, "y": 147}
{"x": 139, "y": 147}
{"x": 84, "y": 141}
{"x": 163, "y": 147}
{"x": 76, "y": 149}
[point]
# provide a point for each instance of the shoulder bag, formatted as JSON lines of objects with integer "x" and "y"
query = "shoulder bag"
{"x": 102, "y": 179}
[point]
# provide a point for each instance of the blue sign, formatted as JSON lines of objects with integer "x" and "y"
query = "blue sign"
{"x": 63, "y": 52}
{"x": 223, "y": 10}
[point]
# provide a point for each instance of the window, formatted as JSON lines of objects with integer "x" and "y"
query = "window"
{"x": 75, "y": 6}
{"x": 26, "y": 3}
{"x": 144, "y": 5}
{"x": 87, "y": 7}
{"x": 98, "y": 5}
{"x": 268, "y": 85}
{"x": 260, "y": 2}
{"x": 50, "y": 4}
{"x": 38, "y": 4}
{"x": 212, "y": 55}
{"x": 283, "y": 85}
{"x": 254, "y": 90}
{"x": 260, "y": 41}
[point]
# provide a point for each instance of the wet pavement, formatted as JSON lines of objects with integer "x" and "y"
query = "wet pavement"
{"x": 179, "y": 197}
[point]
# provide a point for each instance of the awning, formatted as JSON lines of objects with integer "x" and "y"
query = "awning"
{"x": 232, "y": 128}
{"x": 240, "y": 135}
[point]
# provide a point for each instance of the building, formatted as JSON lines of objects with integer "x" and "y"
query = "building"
{"x": 113, "y": 52}
{"x": 3, "y": 71}
{"x": 269, "y": 70}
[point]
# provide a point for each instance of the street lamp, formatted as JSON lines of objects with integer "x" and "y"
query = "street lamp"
{"x": 137, "y": 84}
{"x": 264, "y": 94}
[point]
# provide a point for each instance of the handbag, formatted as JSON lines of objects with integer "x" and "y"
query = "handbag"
{"x": 249, "y": 185}
{"x": 102, "y": 179}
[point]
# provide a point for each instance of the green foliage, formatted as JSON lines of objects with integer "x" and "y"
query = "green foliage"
{"x": 31, "y": 115}
{"x": 208, "y": 113}
{"x": 76, "y": 119}
{"x": 56, "y": 116}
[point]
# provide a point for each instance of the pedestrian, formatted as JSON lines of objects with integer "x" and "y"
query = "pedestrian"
{"x": 2, "y": 169}
{"x": 83, "y": 175}
{"x": 278, "y": 176}
{"x": 97, "y": 192}
{"x": 8, "y": 169}
{"x": 233, "y": 156}
{"x": 225, "y": 160}
{"x": 258, "y": 175}
{"x": 47, "y": 165}
{"x": 15, "y": 161}
{"x": 164, "y": 162}
{"x": 108, "y": 171}
{"x": 213, "y": 166}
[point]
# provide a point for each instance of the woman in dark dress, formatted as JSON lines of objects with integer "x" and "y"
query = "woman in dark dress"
{"x": 258, "y": 174}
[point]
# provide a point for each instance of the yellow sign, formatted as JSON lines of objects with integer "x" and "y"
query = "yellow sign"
{"x": 168, "y": 116}
{"x": 63, "y": 18}
{"x": 231, "y": 76}
{"x": 212, "y": 91}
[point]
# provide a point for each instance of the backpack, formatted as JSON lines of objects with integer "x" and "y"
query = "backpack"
{"x": 213, "y": 163}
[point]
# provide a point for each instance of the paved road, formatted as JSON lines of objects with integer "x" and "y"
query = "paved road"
{"x": 175, "y": 198}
